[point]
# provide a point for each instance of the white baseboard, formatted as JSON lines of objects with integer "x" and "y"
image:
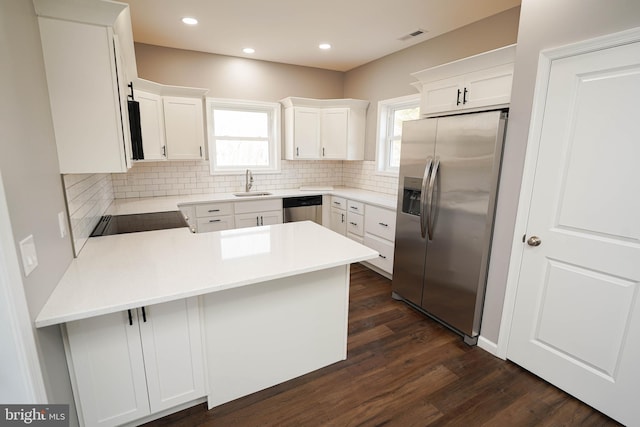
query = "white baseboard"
{"x": 488, "y": 346}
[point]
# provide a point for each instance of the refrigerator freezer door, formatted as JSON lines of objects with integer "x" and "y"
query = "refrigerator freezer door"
{"x": 469, "y": 149}
{"x": 418, "y": 145}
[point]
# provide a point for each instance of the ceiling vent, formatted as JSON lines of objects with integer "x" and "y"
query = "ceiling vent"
{"x": 412, "y": 34}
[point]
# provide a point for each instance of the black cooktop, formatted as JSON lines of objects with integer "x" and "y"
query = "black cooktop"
{"x": 120, "y": 224}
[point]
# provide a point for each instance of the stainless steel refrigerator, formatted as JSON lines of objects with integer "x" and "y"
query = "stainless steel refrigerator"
{"x": 449, "y": 171}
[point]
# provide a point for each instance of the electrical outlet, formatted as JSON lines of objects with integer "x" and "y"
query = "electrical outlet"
{"x": 62, "y": 224}
{"x": 29, "y": 255}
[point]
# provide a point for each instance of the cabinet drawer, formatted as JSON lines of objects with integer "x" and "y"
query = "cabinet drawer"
{"x": 355, "y": 223}
{"x": 258, "y": 206}
{"x": 214, "y": 209}
{"x": 218, "y": 223}
{"x": 355, "y": 207}
{"x": 338, "y": 202}
{"x": 385, "y": 251}
{"x": 380, "y": 222}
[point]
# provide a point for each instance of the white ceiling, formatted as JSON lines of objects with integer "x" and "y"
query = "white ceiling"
{"x": 289, "y": 31}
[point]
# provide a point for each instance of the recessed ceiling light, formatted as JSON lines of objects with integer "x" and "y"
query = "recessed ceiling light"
{"x": 249, "y": 50}
{"x": 324, "y": 46}
{"x": 189, "y": 21}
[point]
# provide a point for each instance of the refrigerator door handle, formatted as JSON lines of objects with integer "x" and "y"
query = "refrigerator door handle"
{"x": 432, "y": 181}
{"x": 423, "y": 198}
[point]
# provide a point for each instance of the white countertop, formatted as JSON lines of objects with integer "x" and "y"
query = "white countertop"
{"x": 170, "y": 203}
{"x": 126, "y": 271}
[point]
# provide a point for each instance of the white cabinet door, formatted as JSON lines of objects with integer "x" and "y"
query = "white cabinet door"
{"x": 184, "y": 128}
{"x": 107, "y": 364}
{"x": 338, "y": 221}
{"x": 82, "y": 78}
{"x": 335, "y": 132}
{"x": 172, "y": 348}
{"x": 306, "y": 133}
{"x": 255, "y": 219}
{"x": 442, "y": 95}
{"x": 152, "y": 124}
{"x": 488, "y": 87}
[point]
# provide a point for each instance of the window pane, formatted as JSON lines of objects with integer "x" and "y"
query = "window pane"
{"x": 242, "y": 153}
{"x": 400, "y": 116}
{"x": 394, "y": 153}
{"x": 241, "y": 123}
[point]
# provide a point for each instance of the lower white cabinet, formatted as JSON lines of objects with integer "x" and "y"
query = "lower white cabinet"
{"x": 380, "y": 234}
{"x": 258, "y": 212}
{"x": 130, "y": 364}
{"x": 338, "y": 220}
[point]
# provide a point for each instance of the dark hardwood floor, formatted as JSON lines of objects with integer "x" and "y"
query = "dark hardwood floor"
{"x": 403, "y": 369}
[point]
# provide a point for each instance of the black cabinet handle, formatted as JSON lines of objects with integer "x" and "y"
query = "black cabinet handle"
{"x": 215, "y": 220}
{"x": 382, "y": 256}
{"x": 342, "y": 217}
{"x": 164, "y": 151}
{"x": 144, "y": 315}
{"x": 464, "y": 96}
{"x": 383, "y": 224}
{"x": 297, "y": 151}
{"x": 322, "y": 151}
{"x": 130, "y": 318}
{"x": 458, "y": 98}
{"x": 201, "y": 151}
{"x": 355, "y": 224}
{"x": 213, "y": 210}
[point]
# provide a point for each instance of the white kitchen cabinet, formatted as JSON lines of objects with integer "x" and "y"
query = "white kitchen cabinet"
{"x": 331, "y": 129}
{"x": 184, "y": 127}
{"x": 338, "y": 222}
{"x": 306, "y": 132}
{"x": 379, "y": 234}
{"x": 215, "y": 216}
{"x": 355, "y": 220}
{"x": 258, "y": 212}
{"x": 127, "y": 365}
{"x": 469, "y": 84}
{"x": 88, "y": 96}
{"x": 152, "y": 125}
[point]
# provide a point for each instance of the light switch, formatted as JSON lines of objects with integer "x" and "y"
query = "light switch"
{"x": 29, "y": 256}
{"x": 62, "y": 224}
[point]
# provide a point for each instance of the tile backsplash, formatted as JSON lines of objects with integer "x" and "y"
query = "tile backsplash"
{"x": 88, "y": 196}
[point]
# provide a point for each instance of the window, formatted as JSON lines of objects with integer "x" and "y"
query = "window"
{"x": 243, "y": 135}
{"x": 391, "y": 114}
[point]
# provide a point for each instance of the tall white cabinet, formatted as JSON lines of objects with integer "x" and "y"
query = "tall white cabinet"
{"x": 127, "y": 365}
{"x": 86, "y": 70}
{"x": 331, "y": 129}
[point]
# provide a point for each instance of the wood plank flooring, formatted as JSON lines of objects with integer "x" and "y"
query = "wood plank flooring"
{"x": 403, "y": 369}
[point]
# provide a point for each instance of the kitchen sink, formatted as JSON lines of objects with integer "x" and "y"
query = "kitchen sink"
{"x": 252, "y": 193}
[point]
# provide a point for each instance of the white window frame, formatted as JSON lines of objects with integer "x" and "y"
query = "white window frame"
{"x": 385, "y": 116}
{"x": 274, "y": 137}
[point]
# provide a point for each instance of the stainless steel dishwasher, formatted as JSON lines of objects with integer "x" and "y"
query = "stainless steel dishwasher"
{"x": 302, "y": 208}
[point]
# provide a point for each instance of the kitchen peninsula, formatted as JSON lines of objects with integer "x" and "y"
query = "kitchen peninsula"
{"x": 262, "y": 305}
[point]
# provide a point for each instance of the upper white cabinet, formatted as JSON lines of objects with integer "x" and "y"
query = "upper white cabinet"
{"x": 184, "y": 127}
{"x": 172, "y": 121}
{"x": 154, "y": 144}
{"x": 324, "y": 128}
{"x": 87, "y": 80}
{"x": 471, "y": 84}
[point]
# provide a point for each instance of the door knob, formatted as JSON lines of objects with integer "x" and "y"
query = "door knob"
{"x": 534, "y": 241}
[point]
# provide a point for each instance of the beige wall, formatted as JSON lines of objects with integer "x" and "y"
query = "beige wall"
{"x": 29, "y": 168}
{"x": 389, "y": 77}
{"x": 543, "y": 24}
{"x": 238, "y": 78}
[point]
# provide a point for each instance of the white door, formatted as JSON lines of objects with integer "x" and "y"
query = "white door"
{"x": 338, "y": 221}
{"x": 306, "y": 133}
{"x": 576, "y": 320}
{"x": 152, "y": 125}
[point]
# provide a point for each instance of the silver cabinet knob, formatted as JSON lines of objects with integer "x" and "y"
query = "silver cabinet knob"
{"x": 534, "y": 241}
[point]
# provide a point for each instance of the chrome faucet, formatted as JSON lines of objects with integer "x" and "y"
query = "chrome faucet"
{"x": 248, "y": 180}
